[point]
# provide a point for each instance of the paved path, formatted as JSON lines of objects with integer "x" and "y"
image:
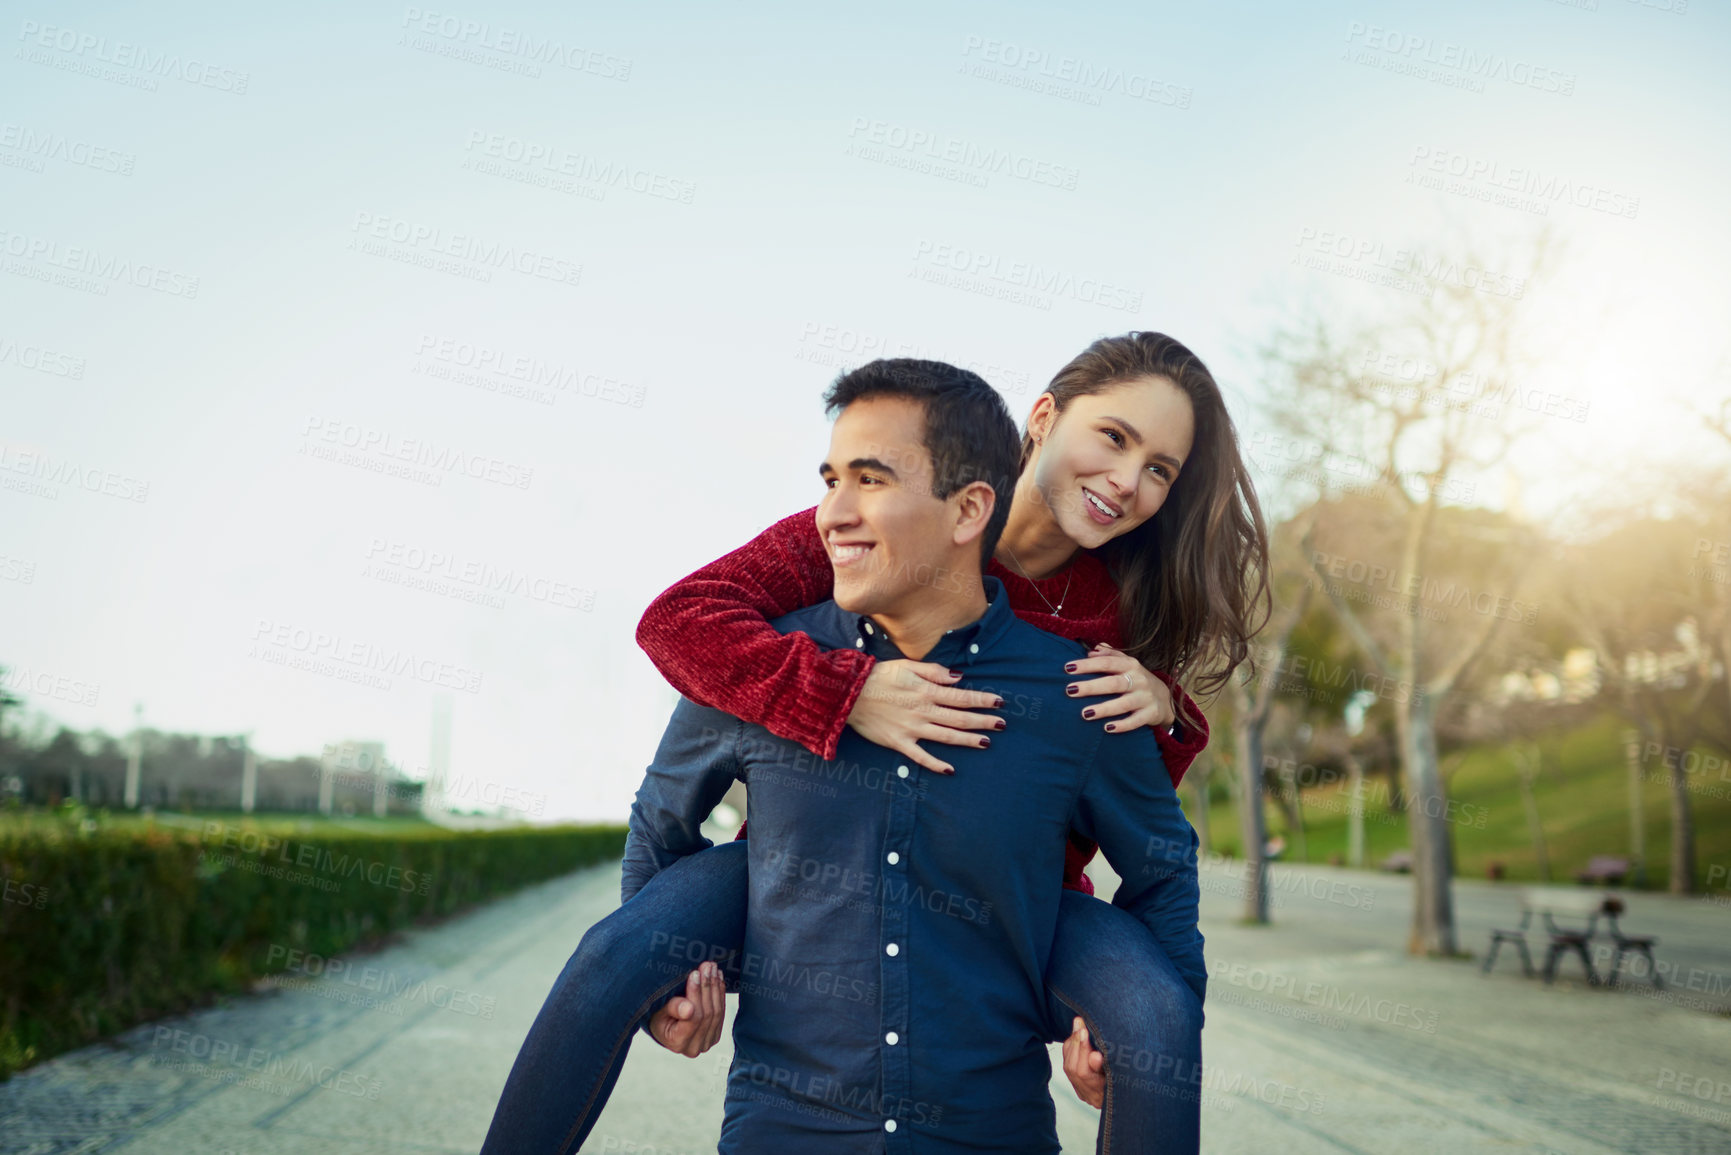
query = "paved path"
{"x": 1322, "y": 1037}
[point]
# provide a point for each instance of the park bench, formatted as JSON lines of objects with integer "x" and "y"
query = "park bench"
{"x": 1549, "y": 903}
{"x": 1603, "y": 868}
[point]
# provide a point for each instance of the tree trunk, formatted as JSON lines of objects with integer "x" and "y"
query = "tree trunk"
{"x": 1251, "y": 822}
{"x": 1295, "y": 811}
{"x": 1637, "y": 809}
{"x": 1527, "y": 773}
{"x": 1355, "y": 812}
{"x": 1682, "y": 831}
{"x": 1199, "y": 807}
{"x": 1433, "y": 923}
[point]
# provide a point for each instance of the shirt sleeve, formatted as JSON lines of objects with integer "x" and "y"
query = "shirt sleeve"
{"x": 782, "y": 682}
{"x": 698, "y": 759}
{"x": 1136, "y": 819}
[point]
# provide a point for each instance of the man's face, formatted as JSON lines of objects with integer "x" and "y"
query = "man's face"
{"x": 890, "y": 541}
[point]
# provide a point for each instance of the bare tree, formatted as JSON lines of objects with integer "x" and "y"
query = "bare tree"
{"x": 1400, "y": 409}
{"x": 1252, "y": 702}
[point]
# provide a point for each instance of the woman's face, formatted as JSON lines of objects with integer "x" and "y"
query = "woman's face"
{"x": 1107, "y": 463}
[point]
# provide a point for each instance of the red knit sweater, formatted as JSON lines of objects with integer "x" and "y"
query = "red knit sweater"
{"x": 798, "y": 691}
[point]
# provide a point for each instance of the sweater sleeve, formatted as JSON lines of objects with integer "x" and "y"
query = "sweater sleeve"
{"x": 1180, "y": 748}
{"x": 783, "y": 682}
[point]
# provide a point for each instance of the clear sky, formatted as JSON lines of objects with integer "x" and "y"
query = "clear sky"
{"x": 262, "y": 262}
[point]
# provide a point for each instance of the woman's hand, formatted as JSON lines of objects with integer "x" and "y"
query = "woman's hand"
{"x": 905, "y": 701}
{"x": 691, "y": 1025}
{"x": 1142, "y": 698}
{"x": 1084, "y": 1066}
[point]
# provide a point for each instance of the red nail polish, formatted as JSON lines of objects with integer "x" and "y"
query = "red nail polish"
{"x": 1071, "y": 690}
{"x": 1070, "y": 667}
{"x": 985, "y": 743}
{"x": 1109, "y": 727}
{"x": 1000, "y": 725}
{"x": 1088, "y": 713}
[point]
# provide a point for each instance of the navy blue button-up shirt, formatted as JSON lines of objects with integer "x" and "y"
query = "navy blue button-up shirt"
{"x": 900, "y": 921}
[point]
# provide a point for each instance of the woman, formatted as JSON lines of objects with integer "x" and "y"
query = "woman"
{"x": 1132, "y": 427}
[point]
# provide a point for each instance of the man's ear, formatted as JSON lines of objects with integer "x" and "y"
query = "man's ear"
{"x": 974, "y": 503}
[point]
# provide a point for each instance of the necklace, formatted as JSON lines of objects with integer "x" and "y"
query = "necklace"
{"x": 1056, "y": 609}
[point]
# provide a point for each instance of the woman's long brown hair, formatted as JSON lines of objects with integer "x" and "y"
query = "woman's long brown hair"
{"x": 1193, "y": 579}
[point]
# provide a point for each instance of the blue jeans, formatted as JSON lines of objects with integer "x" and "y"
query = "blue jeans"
{"x": 1105, "y": 966}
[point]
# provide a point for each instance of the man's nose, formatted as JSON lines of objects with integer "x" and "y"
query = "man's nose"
{"x": 837, "y": 510}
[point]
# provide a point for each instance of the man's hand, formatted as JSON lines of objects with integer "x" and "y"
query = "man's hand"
{"x": 691, "y": 1025}
{"x": 1084, "y": 1066}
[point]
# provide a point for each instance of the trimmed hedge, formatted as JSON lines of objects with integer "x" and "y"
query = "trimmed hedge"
{"x": 102, "y": 931}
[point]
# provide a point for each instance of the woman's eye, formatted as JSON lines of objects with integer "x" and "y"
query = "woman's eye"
{"x": 1117, "y": 438}
{"x": 1158, "y": 471}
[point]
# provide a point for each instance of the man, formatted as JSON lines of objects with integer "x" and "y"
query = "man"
{"x": 892, "y": 992}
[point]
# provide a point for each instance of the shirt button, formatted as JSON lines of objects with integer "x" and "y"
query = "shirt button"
{"x": 974, "y": 649}
{"x": 893, "y": 857}
{"x": 892, "y": 950}
{"x": 859, "y": 643}
{"x": 901, "y": 771}
{"x": 889, "y": 1124}
{"x": 868, "y": 627}
{"x": 892, "y": 1038}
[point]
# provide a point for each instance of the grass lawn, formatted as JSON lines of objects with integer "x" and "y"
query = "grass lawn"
{"x": 1583, "y": 801}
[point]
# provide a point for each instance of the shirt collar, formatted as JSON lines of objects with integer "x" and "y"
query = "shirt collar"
{"x": 957, "y": 647}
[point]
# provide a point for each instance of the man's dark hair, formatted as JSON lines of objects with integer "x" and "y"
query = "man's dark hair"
{"x": 969, "y": 432}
